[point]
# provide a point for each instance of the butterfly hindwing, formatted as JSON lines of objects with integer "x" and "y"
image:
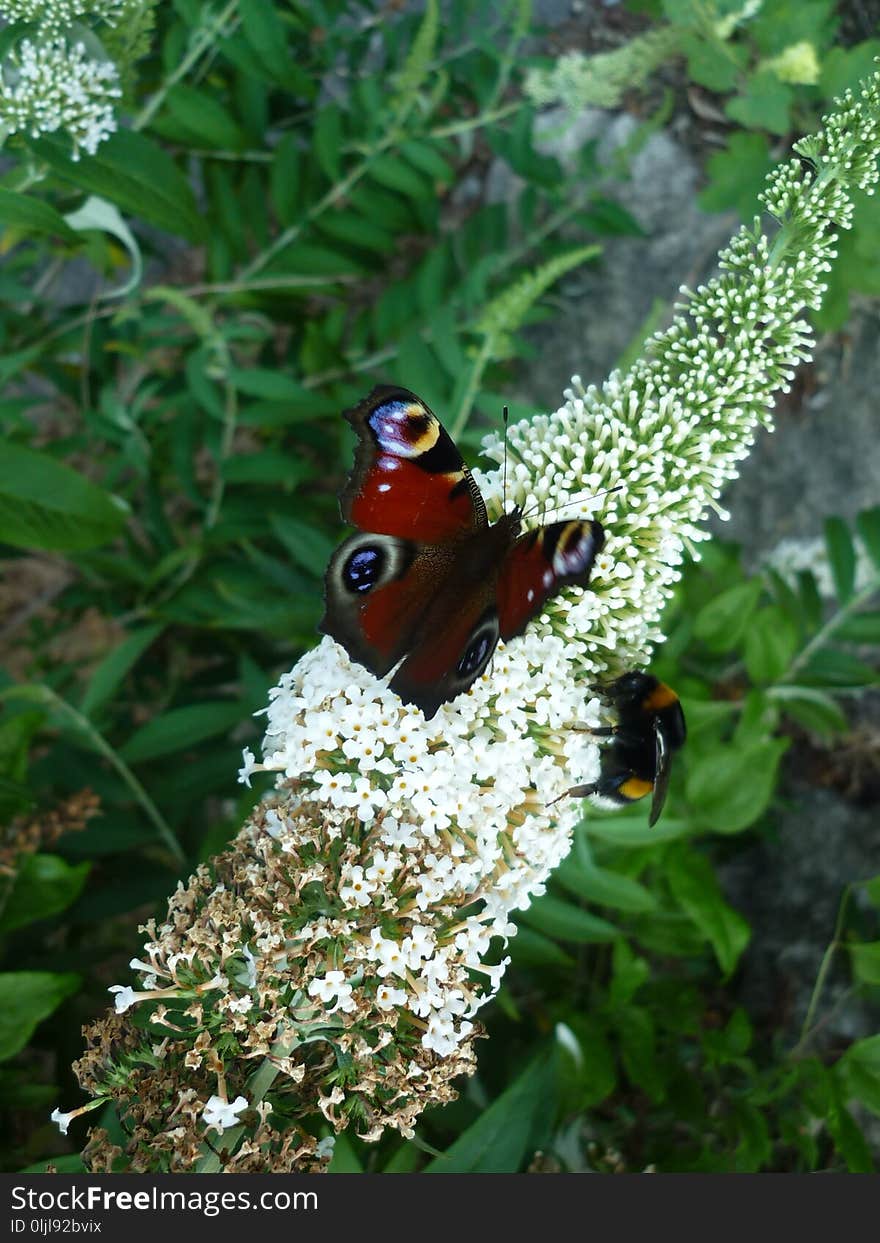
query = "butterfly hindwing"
{"x": 539, "y": 564}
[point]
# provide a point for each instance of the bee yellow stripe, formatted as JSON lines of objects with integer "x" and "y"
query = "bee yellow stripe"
{"x": 660, "y": 697}
{"x": 634, "y": 788}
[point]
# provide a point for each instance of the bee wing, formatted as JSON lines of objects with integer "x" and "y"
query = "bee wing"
{"x": 661, "y": 775}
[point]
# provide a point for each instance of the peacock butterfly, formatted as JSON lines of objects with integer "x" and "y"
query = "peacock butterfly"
{"x": 428, "y": 583}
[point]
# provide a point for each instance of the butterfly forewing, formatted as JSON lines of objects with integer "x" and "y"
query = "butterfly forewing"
{"x": 409, "y": 479}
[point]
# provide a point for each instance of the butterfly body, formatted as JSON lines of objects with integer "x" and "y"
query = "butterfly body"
{"x": 650, "y": 728}
{"x": 427, "y": 583}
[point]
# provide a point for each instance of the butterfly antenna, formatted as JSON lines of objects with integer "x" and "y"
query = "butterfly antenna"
{"x": 573, "y": 500}
{"x": 505, "y": 414}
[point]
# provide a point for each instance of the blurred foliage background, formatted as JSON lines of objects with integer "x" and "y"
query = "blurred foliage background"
{"x": 299, "y": 203}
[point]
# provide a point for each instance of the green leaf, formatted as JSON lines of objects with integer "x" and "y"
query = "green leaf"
{"x": 631, "y": 829}
{"x": 859, "y": 1072}
{"x": 831, "y": 667}
{"x": 180, "y": 729}
{"x": 395, "y": 174}
{"x": 202, "y": 119}
{"x": 327, "y": 139}
{"x": 868, "y": 527}
{"x": 842, "y": 557}
{"x": 309, "y": 547}
{"x": 499, "y": 1141}
{"x": 604, "y": 887}
{"x": 860, "y": 628}
{"x": 270, "y": 385}
{"x": 694, "y": 886}
{"x": 736, "y": 175}
{"x": 638, "y": 1052}
{"x": 843, "y": 68}
{"x": 849, "y": 1140}
{"x": 97, "y": 213}
{"x": 265, "y": 33}
{"x": 711, "y": 63}
{"x": 770, "y": 644}
{"x": 26, "y": 998}
{"x": 284, "y": 179}
{"x": 134, "y": 173}
{"x": 556, "y": 918}
{"x": 865, "y": 959}
{"x": 344, "y": 1160}
{"x": 115, "y": 665}
{"x": 722, "y": 622}
{"x": 730, "y": 787}
{"x": 426, "y": 157}
{"x": 30, "y": 215}
{"x": 811, "y": 708}
{"x": 764, "y": 104}
{"x": 531, "y": 949}
{"x": 43, "y": 886}
{"x": 418, "y": 62}
{"x": 44, "y": 504}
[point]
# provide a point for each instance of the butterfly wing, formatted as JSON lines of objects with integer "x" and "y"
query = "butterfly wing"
{"x": 409, "y": 479}
{"x": 416, "y": 503}
{"x": 541, "y": 562}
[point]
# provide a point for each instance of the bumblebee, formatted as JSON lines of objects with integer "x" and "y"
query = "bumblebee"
{"x": 650, "y": 727}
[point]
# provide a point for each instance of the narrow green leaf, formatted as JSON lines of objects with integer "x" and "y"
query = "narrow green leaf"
{"x": 97, "y": 213}
{"x": 201, "y": 119}
{"x": 44, "y": 504}
{"x": 309, "y": 547}
{"x": 113, "y": 668}
{"x": 134, "y": 173}
{"x": 532, "y": 949}
{"x": 771, "y": 641}
{"x": 357, "y": 230}
{"x": 842, "y": 557}
{"x": 180, "y": 729}
{"x": 868, "y": 527}
{"x": 810, "y": 707}
{"x": 327, "y": 139}
{"x": 395, "y": 174}
{"x": 556, "y": 918}
{"x": 26, "y": 998}
{"x": 284, "y": 179}
{"x": 417, "y": 64}
{"x": 265, "y": 33}
{"x": 695, "y": 888}
{"x": 31, "y": 215}
{"x": 604, "y": 887}
{"x": 860, "y": 628}
{"x": 498, "y": 1142}
{"x": 831, "y": 667}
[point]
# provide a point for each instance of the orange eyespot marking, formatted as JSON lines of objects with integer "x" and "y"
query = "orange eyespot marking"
{"x": 635, "y": 788}
{"x": 660, "y": 697}
{"x": 421, "y": 431}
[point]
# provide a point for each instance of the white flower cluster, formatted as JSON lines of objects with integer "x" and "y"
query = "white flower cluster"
{"x": 53, "y": 16}
{"x": 57, "y": 86}
{"x": 792, "y": 556}
{"x": 455, "y": 810}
